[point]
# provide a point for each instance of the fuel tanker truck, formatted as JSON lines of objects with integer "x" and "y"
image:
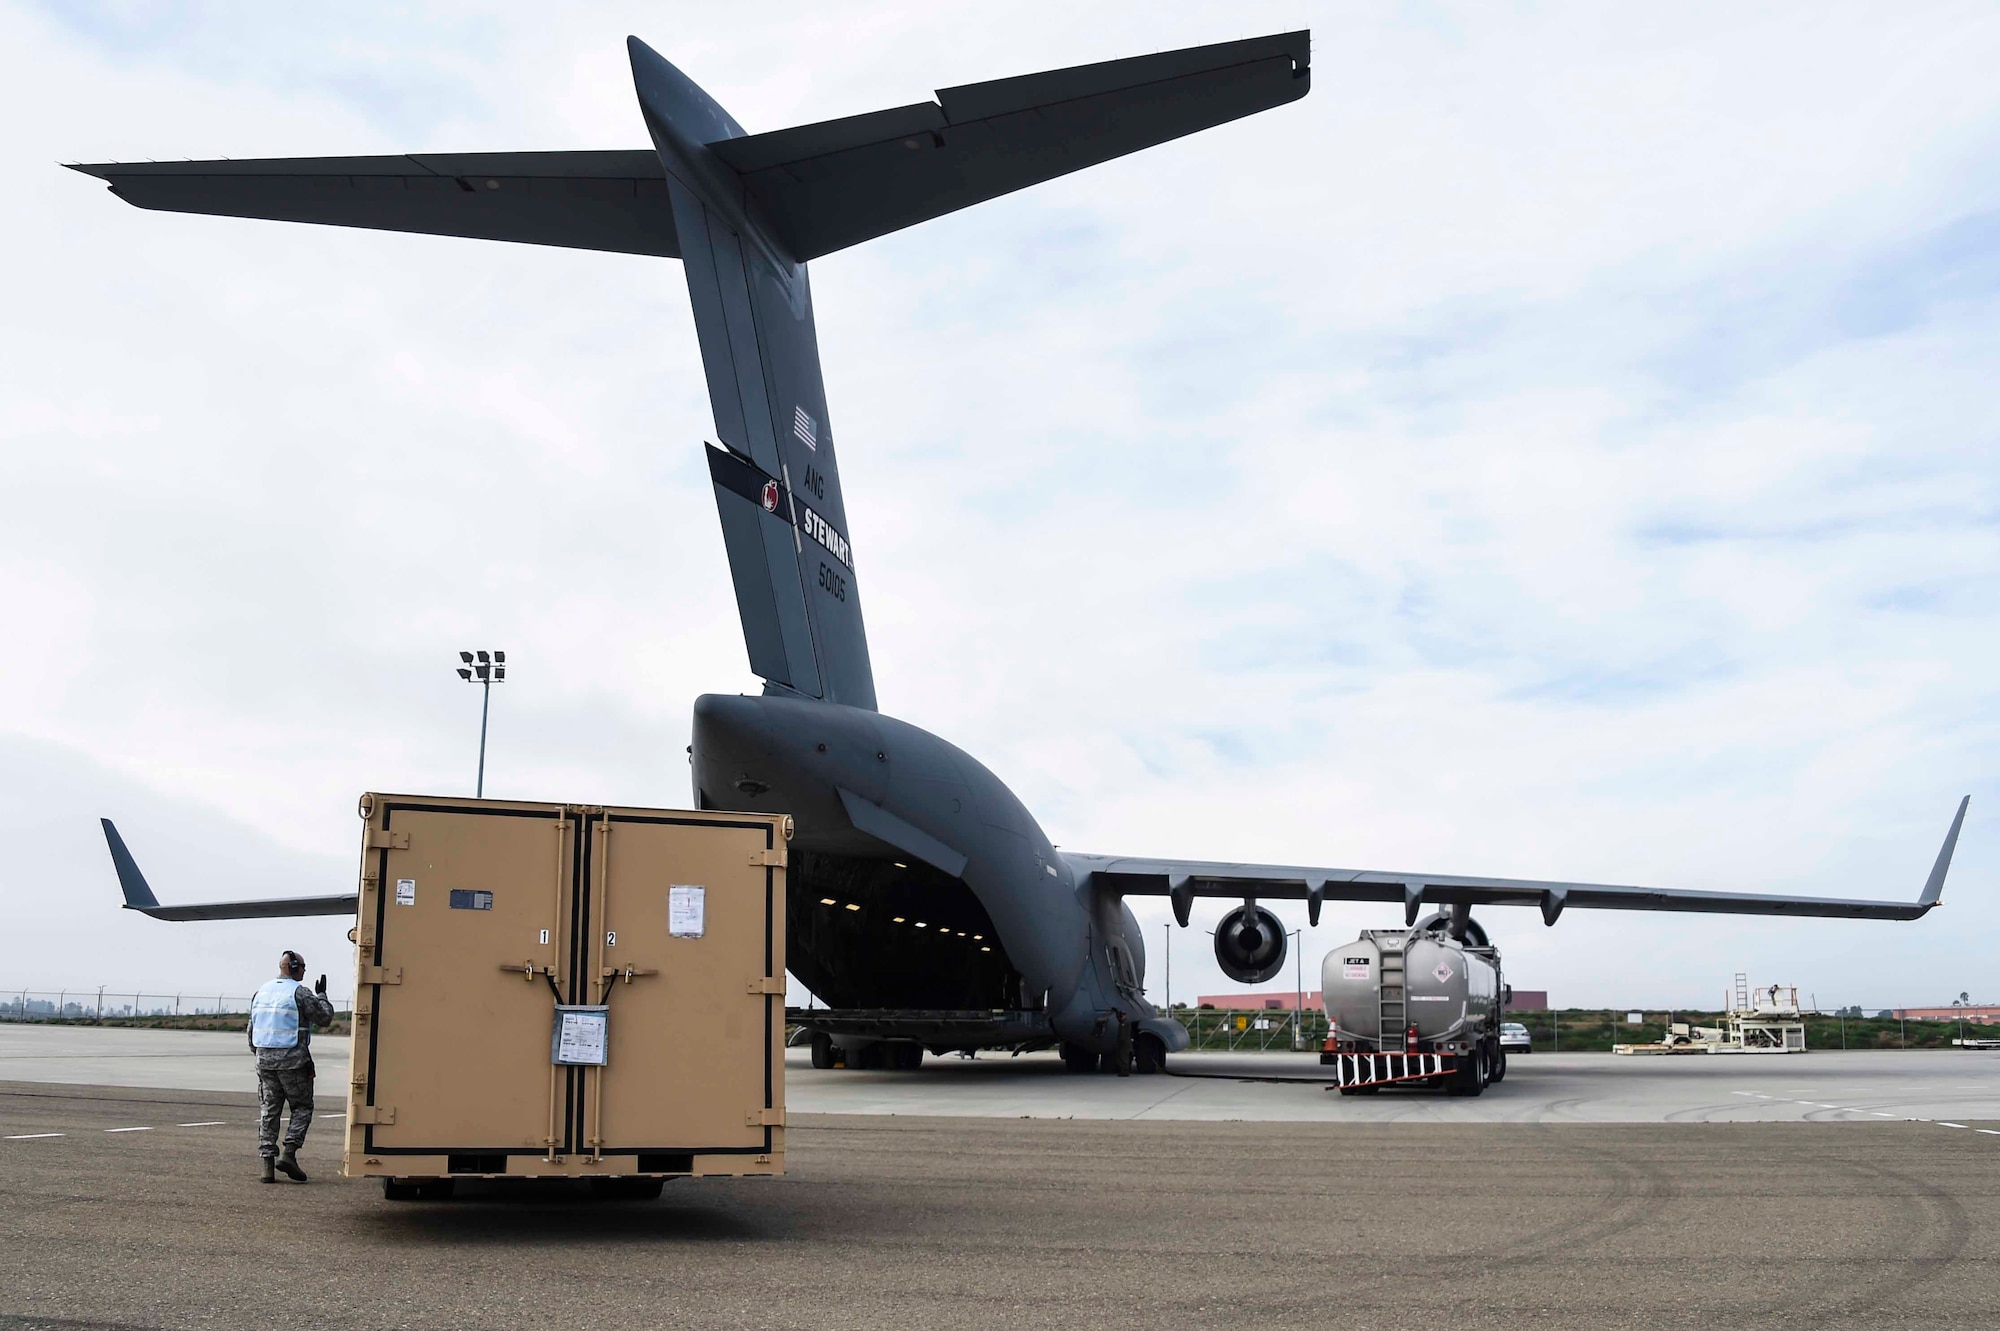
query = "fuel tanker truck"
{"x": 1415, "y": 1007}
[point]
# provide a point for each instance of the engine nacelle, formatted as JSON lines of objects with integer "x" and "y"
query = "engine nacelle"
{"x": 1250, "y": 944}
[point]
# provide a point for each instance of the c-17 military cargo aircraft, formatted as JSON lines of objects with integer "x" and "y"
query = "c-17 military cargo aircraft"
{"x": 926, "y": 905}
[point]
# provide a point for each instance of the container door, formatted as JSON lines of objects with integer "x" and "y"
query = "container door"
{"x": 460, "y": 1046}
{"x": 679, "y": 905}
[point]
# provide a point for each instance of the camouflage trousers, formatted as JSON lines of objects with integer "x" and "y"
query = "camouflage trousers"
{"x": 275, "y": 1088}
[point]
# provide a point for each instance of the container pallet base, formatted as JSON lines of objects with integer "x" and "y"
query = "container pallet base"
{"x": 570, "y": 1166}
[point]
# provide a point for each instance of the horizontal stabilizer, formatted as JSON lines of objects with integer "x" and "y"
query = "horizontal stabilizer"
{"x": 827, "y": 186}
{"x": 139, "y": 895}
{"x": 1185, "y": 879}
{"x": 579, "y": 200}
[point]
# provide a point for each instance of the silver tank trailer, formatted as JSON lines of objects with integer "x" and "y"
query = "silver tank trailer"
{"x": 1451, "y": 990}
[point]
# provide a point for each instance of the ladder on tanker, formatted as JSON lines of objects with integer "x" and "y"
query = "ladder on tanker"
{"x": 1392, "y": 1012}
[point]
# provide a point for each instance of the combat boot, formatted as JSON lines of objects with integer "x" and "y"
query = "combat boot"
{"x": 269, "y": 1175}
{"x": 288, "y": 1165}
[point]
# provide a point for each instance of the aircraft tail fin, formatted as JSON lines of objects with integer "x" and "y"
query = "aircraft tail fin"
{"x": 750, "y": 210}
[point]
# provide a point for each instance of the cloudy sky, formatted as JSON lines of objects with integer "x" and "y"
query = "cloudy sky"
{"x": 1563, "y": 445}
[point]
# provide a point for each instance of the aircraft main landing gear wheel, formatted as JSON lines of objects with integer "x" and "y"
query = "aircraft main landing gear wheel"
{"x": 1149, "y": 1055}
{"x": 1077, "y": 1059}
{"x": 822, "y": 1047}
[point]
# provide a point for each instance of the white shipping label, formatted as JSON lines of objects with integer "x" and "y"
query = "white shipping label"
{"x": 687, "y": 908}
{"x": 406, "y": 891}
{"x": 580, "y": 1038}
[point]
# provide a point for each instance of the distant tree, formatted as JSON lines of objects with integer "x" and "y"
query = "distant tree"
{"x": 1886, "y": 1013}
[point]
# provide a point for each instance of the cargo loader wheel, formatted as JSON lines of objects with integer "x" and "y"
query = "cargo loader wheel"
{"x": 822, "y": 1049}
{"x": 418, "y": 1189}
{"x": 623, "y": 1189}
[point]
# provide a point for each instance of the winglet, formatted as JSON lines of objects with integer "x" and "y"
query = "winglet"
{"x": 1934, "y": 885}
{"x": 139, "y": 896}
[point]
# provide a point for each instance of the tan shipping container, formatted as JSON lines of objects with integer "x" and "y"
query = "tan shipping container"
{"x": 566, "y": 990}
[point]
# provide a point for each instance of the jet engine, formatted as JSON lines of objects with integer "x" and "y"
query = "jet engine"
{"x": 1250, "y": 944}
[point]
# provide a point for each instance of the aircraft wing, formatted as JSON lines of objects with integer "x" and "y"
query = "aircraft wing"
{"x": 824, "y": 187}
{"x": 1184, "y": 880}
{"x": 139, "y": 895}
{"x": 578, "y": 200}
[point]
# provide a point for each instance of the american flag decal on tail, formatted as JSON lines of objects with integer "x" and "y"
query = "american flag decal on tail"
{"x": 806, "y": 428}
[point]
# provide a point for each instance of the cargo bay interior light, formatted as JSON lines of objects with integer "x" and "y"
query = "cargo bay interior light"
{"x": 484, "y": 669}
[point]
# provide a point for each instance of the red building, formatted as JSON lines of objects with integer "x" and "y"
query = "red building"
{"x": 1984, "y": 1014}
{"x": 1279, "y": 1002}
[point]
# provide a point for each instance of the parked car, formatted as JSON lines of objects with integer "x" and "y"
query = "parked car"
{"x": 1514, "y": 1038}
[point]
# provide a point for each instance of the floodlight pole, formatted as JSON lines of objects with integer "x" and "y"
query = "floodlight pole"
{"x": 485, "y": 703}
{"x": 1298, "y": 989}
{"x": 488, "y": 669}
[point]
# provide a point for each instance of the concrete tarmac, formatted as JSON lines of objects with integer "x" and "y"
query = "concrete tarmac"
{"x": 128, "y": 1208}
{"x": 1540, "y": 1088}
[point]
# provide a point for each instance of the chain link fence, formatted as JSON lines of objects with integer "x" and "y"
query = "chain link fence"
{"x": 1592, "y": 1030}
{"x": 105, "y": 1006}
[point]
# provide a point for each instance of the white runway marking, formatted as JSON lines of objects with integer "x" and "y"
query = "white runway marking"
{"x": 1941, "y": 1123}
{"x": 30, "y": 1136}
{"x": 128, "y": 1129}
{"x": 205, "y": 1123}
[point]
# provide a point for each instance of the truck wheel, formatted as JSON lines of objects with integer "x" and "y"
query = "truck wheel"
{"x": 822, "y": 1047}
{"x": 1499, "y": 1067}
{"x": 398, "y": 1190}
{"x": 1469, "y": 1076}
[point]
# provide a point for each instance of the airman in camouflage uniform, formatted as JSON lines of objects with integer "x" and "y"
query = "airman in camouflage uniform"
{"x": 282, "y": 1016}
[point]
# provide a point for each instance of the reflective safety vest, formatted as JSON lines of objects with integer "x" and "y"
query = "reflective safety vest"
{"x": 274, "y": 1015}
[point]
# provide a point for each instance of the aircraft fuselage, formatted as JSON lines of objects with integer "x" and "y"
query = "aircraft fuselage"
{"x": 919, "y": 879}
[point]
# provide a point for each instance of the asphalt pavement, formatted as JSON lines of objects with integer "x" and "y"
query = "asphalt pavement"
{"x": 1936, "y": 1084}
{"x": 131, "y": 1207}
